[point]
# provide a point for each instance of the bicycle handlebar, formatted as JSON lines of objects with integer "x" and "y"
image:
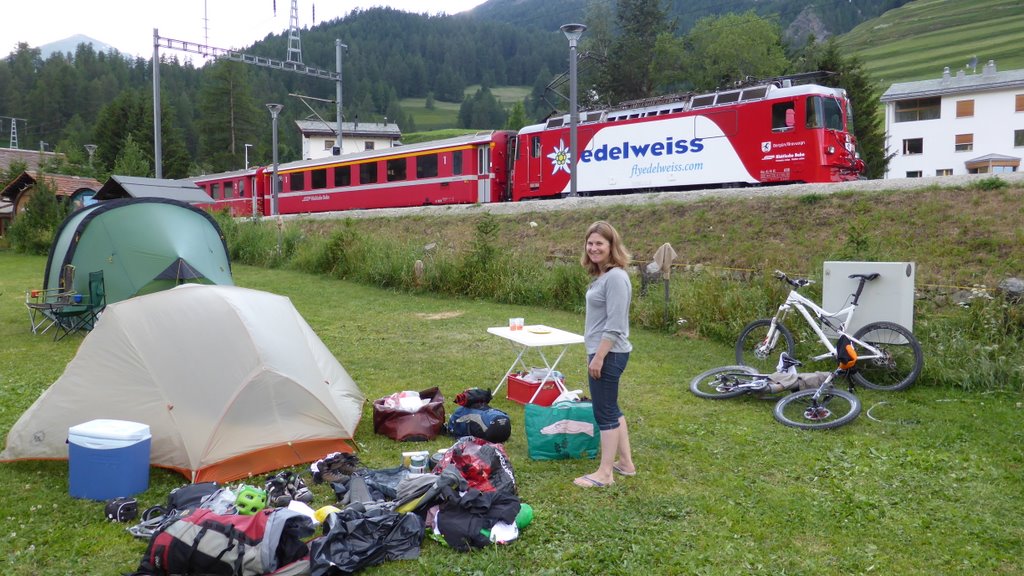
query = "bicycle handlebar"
{"x": 797, "y": 283}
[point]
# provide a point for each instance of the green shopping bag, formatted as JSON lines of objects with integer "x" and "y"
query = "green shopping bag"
{"x": 562, "y": 430}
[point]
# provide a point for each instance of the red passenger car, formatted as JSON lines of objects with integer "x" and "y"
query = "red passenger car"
{"x": 769, "y": 133}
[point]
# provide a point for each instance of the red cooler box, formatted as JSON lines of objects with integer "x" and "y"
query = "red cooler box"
{"x": 521, "y": 390}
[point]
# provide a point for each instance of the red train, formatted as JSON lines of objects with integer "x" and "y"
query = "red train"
{"x": 774, "y": 132}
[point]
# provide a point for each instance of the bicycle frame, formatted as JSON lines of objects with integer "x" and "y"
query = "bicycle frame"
{"x": 801, "y": 303}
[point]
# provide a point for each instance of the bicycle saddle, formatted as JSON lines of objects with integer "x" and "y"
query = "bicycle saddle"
{"x": 787, "y": 363}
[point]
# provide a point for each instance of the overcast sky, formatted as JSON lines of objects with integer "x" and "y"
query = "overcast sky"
{"x": 128, "y": 24}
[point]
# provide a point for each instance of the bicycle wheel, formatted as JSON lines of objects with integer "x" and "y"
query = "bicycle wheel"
{"x": 753, "y": 348}
{"x": 800, "y": 410}
{"x": 900, "y": 364}
{"x": 722, "y": 382}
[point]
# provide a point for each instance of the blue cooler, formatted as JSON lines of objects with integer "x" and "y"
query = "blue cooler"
{"x": 108, "y": 459}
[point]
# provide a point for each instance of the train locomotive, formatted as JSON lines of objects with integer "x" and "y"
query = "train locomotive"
{"x": 772, "y": 132}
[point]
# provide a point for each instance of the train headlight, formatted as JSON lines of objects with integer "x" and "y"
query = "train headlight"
{"x": 830, "y": 149}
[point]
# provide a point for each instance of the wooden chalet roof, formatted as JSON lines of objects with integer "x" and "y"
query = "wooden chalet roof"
{"x": 65, "y": 186}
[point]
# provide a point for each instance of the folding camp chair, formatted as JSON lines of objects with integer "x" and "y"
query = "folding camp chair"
{"x": 84, "y": 314}
{"x": 44, "y": 303}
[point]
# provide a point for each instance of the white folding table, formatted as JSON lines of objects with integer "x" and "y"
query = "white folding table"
{"x": 536, "y": 337}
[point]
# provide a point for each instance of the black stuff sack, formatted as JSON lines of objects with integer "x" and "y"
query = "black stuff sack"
{"x": 487, "y": 423}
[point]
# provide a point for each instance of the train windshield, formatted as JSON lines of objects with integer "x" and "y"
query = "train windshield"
{"x": 824, "y": 112}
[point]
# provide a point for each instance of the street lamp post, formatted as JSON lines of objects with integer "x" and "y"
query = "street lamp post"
{"x": 247, "y": 146}
{"x": 275, "y": 109}
{"x": 572, "y": 33}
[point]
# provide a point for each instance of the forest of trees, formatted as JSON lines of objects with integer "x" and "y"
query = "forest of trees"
{"x": 632, "y": 49}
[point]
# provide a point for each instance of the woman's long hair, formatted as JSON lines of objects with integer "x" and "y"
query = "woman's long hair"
{"x": 617, "y": 253}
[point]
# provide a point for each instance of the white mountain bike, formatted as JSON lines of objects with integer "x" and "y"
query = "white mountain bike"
{"x": 890, "y": 355}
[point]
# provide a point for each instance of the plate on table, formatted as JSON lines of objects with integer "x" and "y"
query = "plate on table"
{"x": 539, "y": 330}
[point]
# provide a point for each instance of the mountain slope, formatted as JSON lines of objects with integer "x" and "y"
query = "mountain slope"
{"x": 915, "y": 41}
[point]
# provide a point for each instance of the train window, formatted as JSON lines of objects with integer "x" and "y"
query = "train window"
{"x": 318, "y": 178}
{"x": 215, "y": 191}
{"x": 728, "y": 97}
{"x": 368, "y": 173}
{"x": 426, "y": 166}
{"x": 556, "y": 122}
{"x": 298, "y": 182}
{"x": 754, "y": 93}
{"x": 342, "y": 176}
{"x": 396, "y": 169}
{"x": 457, "y": 162}
{"x": 783, "y": 116}
{"x": 705, "y": 100}
{"x": 228, "y": 190}
{"x": 535, "y": 147}
{"x": 594, "y": 117}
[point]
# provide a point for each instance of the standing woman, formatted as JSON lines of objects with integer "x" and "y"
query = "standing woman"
{"x": 606, "y": 337}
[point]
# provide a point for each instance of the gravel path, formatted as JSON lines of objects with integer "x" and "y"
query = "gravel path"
{"x": 1015, "y": 179}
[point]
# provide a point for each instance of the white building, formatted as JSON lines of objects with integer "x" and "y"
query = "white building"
{"x": 319, "y": 138}
{"x": 967, "y": 123}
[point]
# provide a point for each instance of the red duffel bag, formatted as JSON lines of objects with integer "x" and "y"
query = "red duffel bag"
{"x": 398, "y": 423}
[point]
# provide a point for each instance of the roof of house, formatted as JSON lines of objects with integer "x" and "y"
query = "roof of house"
{"x": 988, "y": 80}
{"x": 363, "y": 129}
{"x": 138, "y": 187}
{"x": 65, "y": 186}
{"x": 31, "y": 158}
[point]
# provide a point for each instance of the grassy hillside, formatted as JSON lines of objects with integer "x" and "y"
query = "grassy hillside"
{"x": 916, "y": 41}
{"x": 446, "y": 114}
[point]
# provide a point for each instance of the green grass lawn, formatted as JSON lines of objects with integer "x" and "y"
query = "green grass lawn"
{"x": 925, "y": 482}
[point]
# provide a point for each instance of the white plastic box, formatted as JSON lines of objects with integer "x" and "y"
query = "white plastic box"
{"x": 888, "y": 298}
{"x": 108, "y": 459}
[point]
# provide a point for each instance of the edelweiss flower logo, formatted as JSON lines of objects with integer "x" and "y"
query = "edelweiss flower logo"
{"x": 560, "y": 158}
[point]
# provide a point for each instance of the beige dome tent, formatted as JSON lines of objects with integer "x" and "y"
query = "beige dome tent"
{"x": 231, "y": 382}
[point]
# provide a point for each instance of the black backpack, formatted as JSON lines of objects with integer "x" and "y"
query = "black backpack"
{"x": 485, "y": 423}
{"x": 207, "y": 543}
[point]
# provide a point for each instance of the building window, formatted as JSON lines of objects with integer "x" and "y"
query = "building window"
{"x": 914, "y": 174}
{"x": 964, "y": 143}
{"x": 918, "y": 109}
{"x": 1020, "y": 103}
{"x": 913, "y": 146}
{"x": 944, "y": 172}
{"x": 964, "y": 108}
{"x": 328, "y": 144}
{"x": 1018, "y": 138}
{"x": 368, "y": 145}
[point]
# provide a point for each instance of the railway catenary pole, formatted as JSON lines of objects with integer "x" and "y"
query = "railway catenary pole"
{"x": 158, "y": 165}
{"x": 339, "y": 47}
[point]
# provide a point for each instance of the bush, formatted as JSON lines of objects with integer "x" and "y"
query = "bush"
{"x": 33, "y": 230}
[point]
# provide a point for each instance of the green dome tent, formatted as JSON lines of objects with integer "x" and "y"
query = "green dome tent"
{"x": 142, "y": 245}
